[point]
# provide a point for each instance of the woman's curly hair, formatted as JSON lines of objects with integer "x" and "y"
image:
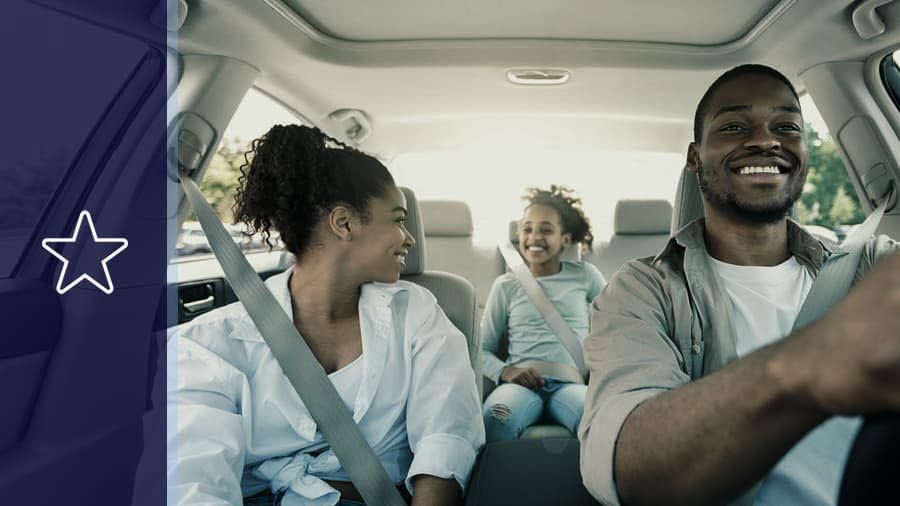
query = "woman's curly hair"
{"x": 571, "y": 216}
{"x": 294, "y": 175}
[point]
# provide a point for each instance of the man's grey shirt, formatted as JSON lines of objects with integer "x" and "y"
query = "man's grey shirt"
{"x": 660, "y": 323}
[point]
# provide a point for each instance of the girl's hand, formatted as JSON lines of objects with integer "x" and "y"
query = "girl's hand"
{"x": 527, "y": 377}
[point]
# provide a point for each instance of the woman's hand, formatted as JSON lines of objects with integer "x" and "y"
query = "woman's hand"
{"x": 527, "y": 377}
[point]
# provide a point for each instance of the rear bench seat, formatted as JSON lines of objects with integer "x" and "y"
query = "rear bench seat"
{"x": 641, "y": 229}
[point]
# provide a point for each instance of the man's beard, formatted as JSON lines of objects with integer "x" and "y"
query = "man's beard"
{"x": 756, "y": 214}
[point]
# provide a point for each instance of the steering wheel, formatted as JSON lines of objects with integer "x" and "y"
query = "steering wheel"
{"x": 872, "y": 473}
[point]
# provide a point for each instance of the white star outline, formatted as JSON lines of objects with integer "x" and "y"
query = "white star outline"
{"x": 82, "y": 217}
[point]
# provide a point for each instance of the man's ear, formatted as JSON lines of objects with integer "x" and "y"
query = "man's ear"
{"x": 340, "y": 222}
{"x": 692, "y": 163}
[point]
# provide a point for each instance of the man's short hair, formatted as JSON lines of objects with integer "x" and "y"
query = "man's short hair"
{"x": 752, "y": 68}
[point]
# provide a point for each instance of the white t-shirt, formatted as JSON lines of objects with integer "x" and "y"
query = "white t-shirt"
{"x": 766, "y": 301}
{"x": 347, "y": 380}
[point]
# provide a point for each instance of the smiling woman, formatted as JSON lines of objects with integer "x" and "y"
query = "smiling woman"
{"x": 378, "y": 339}
{"x": 293, "y": 180}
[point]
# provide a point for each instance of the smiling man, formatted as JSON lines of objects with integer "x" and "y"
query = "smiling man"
{"x": 699, "y": 389}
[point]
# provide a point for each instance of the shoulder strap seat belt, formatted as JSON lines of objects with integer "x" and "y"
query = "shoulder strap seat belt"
{"x": 537, "y": 296}
{"x": 835, "y": 279}
{"x": 296, "y": 360}
{"x": 836, "y": 276}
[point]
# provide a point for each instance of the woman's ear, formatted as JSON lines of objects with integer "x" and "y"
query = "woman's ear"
{"x": 340, "y": 222}
{"x": 567, "y": 239}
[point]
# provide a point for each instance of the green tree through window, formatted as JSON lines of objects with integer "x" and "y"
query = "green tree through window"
{"x": 221, "y": 178}
{"x": 829, "y": 198}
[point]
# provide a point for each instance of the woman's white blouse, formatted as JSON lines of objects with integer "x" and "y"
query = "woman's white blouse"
{"x": 239, "y": 426}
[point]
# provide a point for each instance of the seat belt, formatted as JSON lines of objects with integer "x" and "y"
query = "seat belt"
{"x": 537, "y": 296}
{"x": 296, "y": 360}
{"x": 835, "y": 279}
{"x": 836, "y": 276}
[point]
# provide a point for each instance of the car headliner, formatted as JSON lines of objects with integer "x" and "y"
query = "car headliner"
{"x": 431, "y": 75}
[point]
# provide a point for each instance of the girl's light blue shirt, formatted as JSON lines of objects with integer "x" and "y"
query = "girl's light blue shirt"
{"x": 508, "y": 310}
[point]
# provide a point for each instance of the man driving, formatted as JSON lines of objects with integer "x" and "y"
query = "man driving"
{"x": 701, "y": 391}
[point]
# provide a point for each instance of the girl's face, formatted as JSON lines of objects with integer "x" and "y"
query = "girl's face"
{"x": 382, "y": 243}
{"x": 541, "y": 236}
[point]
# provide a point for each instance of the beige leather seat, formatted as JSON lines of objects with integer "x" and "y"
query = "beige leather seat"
{"x": 448, "y": 230}
{"x": 455, "y": 294}
{"x": 688, "y": 204}
{"x": 641, "y": 229}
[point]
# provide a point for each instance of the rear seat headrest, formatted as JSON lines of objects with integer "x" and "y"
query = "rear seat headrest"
{"x": 415, "y": 260}
{"x": 643, "y": 217}
{"x": 514, "y": 231}
{"x": 446, "y": 218}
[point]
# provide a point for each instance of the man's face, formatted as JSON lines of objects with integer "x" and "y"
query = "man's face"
{"x": 752, "y": 154}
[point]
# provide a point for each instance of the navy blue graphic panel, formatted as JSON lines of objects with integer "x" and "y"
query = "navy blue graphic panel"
{"x": 82, "y": 251}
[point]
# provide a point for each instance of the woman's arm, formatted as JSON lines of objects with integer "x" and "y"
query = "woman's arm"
{"x": 443, "y": 411}
{"x": 206, "y": 448}
{"x": 434, "y": 491}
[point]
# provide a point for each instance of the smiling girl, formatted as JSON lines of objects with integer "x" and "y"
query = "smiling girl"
{"x": 553, "y": 221}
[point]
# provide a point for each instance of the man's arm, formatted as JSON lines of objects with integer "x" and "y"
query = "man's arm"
{"x": 706, "y": 442}
{"x": 710, "y": 440}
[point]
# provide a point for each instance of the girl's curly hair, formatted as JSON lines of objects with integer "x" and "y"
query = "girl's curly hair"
{"x": 294, "y": 175}
{"x": 571, "y": 216}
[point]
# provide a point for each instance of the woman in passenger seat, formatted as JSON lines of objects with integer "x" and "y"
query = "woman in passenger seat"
{"x": 553, "y": 221}
{"x": 242, "y": 434}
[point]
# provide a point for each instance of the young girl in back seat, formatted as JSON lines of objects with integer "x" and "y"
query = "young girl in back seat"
{"x": 553, "y": 221}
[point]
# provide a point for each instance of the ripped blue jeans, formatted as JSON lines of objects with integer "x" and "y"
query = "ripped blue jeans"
{"x": 511, "y": 408}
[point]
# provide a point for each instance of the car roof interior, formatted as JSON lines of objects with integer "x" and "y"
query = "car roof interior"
{"x": 431, "y": 75}
{"x": 398, "y": 77}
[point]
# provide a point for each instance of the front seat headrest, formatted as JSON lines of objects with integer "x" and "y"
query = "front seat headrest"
{"x": 688, "y": 201}
{"x": 415, "y": 260}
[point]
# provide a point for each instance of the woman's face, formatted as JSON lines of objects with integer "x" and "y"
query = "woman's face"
{"x": 541, "y": 236}
{"x": 382, "y": 243}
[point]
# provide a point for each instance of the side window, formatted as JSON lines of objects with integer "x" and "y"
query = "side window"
{"x": 253, "y": 118}
{"x": 890, "y": 73}
{"x": 829, "y": 205}
{"x": 52, "y": 100}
